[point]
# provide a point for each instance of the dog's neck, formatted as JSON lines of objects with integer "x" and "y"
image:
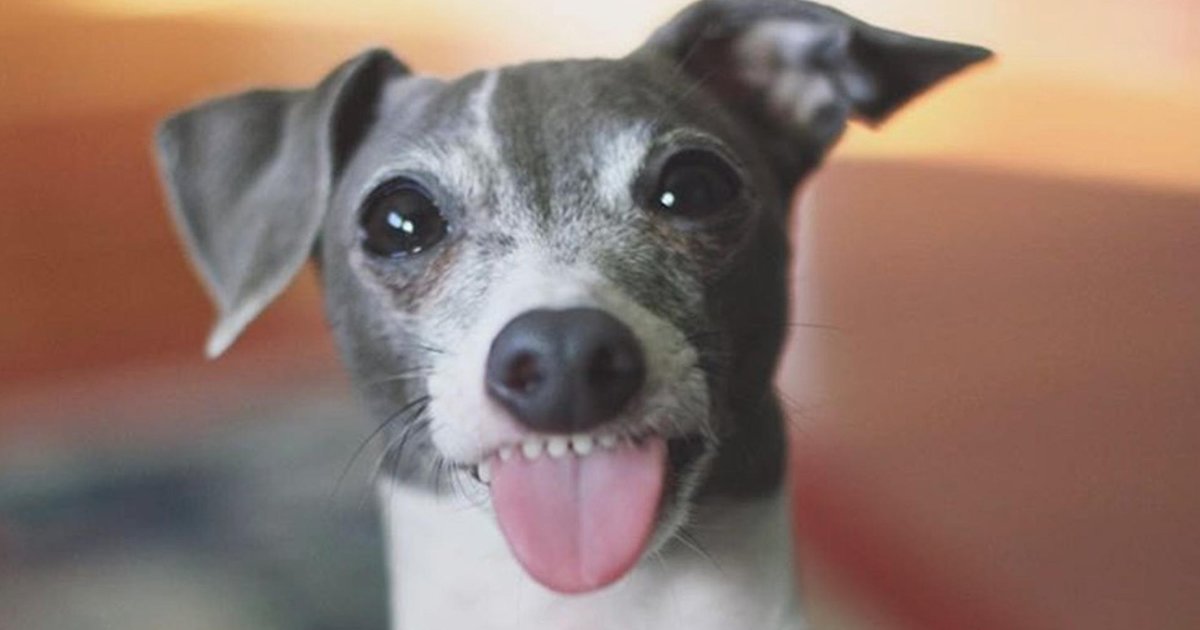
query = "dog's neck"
{"x": 450, "y": 568}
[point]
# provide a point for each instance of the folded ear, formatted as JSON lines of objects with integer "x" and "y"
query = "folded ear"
{"x": 796, "y": 71}
{"x": 249, "y": 177}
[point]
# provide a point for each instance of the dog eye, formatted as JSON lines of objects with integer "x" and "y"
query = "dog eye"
{"x": 400, "y": 219}
{"x": 695, "y": 184}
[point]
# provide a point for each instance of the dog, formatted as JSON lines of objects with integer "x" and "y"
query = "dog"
{"x": 560, "y": 289}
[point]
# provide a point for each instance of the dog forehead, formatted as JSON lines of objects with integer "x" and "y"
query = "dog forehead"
{"x": 543, "y": 122}
{"x": 522, "y": 146}
{"x": 561, "y": 111}
{"x": 570, "y": 136}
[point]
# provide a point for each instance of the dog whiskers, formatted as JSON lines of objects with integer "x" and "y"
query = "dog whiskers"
{"x": 829, "y": 327}
{"x": 428, "y": 348}
{"x": 413, "y": 374}
{"x": 392, "y": 451}
{"x": 691, "y": 542}
{"x": 793, "y": 411}
{"x": 424, "y": 400}
{"x": 395, "y": 450}
{"x": 443, "y": 475}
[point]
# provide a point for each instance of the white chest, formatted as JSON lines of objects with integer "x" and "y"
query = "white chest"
{"x": 450, "y": 568}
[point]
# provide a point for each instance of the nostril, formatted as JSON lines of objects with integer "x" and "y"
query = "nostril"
{"x": 607, "y": 365}
{"x": 602, "y": 365}
{"x": 524, "y": 373}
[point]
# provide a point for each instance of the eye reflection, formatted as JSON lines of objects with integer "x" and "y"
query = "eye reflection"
{"x": 696, "y": 183}
{"x": 400, "y": 219}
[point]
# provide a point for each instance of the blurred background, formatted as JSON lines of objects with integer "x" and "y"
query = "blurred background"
{"x": 998, "y": 416}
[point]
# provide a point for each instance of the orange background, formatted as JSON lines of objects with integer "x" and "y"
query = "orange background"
{"x": 1007, "y": 405}
{"x": 92, "y": 278}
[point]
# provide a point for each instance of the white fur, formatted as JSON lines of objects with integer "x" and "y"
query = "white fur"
{"x": 459, "y": 170}
{"x": 450, "y": 565}
{"x": 481, "y": 106}
{"x": 466, "y": 423}
{"x": 620, "y": 156}
{"x": 451, "y": 568}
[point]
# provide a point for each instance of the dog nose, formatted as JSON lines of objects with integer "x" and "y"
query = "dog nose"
{"x": 564, "y": 371}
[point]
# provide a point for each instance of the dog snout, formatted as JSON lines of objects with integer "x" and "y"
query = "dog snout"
{"x": 562, "y": 371}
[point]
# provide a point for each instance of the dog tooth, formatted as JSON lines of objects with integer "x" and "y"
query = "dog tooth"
{"x": 485, "y": 472}
{"x": 556, "y": 446}
{"x": 531, "y": 448}
{"x": 582, "y": 444}
{"x": 608, "y": 441}
{"x": 506, "y": 453}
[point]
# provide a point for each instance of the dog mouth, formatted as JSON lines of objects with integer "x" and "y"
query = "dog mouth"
{"x": 579, "y": 511}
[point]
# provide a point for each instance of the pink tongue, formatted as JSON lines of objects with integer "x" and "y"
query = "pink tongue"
{"x": 579, "y": 523}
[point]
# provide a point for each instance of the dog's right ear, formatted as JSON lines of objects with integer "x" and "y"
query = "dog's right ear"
{"x": 795, "y": 72}
{"x": 249, "y": 178}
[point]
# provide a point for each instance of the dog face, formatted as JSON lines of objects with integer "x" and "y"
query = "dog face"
{"x": 563, "y": 218}
{"x": 565, "y": 279}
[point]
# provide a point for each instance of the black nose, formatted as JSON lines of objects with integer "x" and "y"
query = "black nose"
{"x": 567, "y": 370}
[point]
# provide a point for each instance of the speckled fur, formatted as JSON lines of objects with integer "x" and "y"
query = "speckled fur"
{"x": 543, "y": 172}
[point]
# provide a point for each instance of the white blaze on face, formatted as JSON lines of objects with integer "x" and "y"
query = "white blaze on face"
{"x": 575, "y": 517}
{"x": 619, "y": 157}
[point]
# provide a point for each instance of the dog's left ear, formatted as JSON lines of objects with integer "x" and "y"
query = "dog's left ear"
{"x": 249, "y": 177}
{"x": 797, "y": 71}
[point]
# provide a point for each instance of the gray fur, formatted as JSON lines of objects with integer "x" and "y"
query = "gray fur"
{"x": 249, "y": 178}
{"x": 860, "y": 71}
{"x": 548, "y": 160}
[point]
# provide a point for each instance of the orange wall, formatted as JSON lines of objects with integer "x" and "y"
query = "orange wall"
{"x": 1084, "y": 87}
{"x": 91, "y": 274}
